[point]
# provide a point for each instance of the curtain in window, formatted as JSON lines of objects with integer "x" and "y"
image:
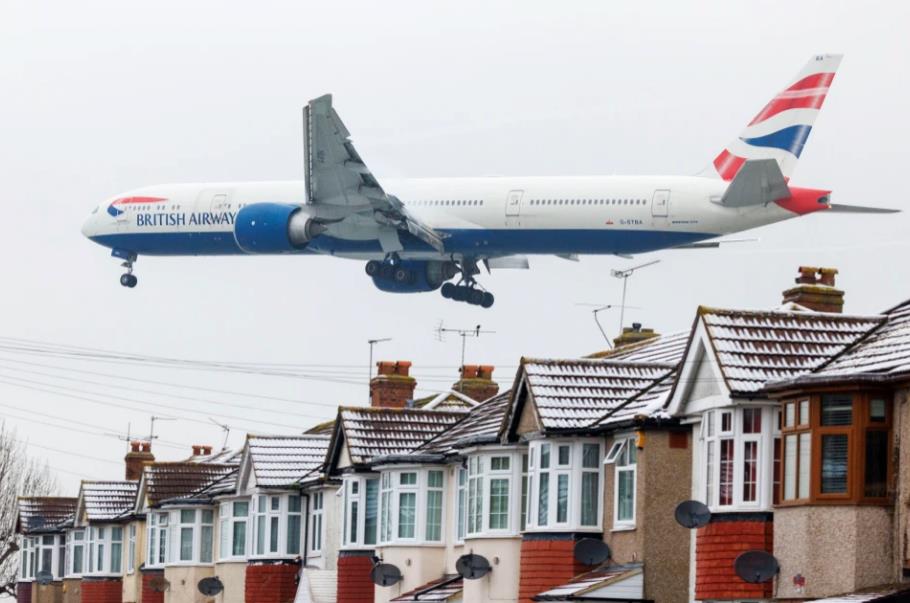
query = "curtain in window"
{"x": 371, "y": 512}
{"x": 499, "y": 504}
{"x": 407, "y": 507}
{"x": 434, "y": 515}
{"x": 625, "y": 492}
{"x": 543, "y": 499}
{"x": 589, "y": 487}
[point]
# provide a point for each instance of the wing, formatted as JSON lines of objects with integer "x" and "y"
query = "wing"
{"x": 337, "y": 177}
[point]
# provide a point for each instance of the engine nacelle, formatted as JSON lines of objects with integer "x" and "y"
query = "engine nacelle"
{"x": 424, "y": 276}
{"x": 274, "y": 228}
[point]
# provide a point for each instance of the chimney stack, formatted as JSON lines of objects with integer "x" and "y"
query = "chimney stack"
{"x": 477, "y": 382}
{"x": 137, "y": 458}
{"x": 633, "y": 334}
{"x": 392, "y": 386}
{"x": 815, "y": 289}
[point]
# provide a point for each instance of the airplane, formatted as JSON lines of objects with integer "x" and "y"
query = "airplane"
{"x": 418, "y": 235}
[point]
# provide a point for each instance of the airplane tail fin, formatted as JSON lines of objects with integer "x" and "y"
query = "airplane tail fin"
{"x": 781, "y": 128}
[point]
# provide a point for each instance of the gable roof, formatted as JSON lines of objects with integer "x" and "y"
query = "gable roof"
{"x": 282, "y": 461}
{"x": 757, "y": 347}
{"x": 613, "y": 582}
{"x": 171, "y": 481}
{"x": 663, "y": 348}
{"x": 371, "y": 432}
{"x": 483, "y": 425}
{"x": 44, "y": 513}
{"x": 107, "y": 500}
{"x": 579, "y": 393}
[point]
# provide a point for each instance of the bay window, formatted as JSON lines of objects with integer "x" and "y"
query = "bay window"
{"x": 277, "y": 525}
{"x": 624, "y": 457}
{"x": 27, "y": 548}
{"x": 75, "y": 555}
{"x": 411, "y": 505}
{"x": 49, "y": 552}
{"x": 738, "y": 468}
{"x": 105, "y": 549}
{"x": 360, "y": 506}
{"x": 233, "y": 518}
{"x": 837, "y": 448}
{"x": 193, "y": 536}
{"x": 564, "y": 485}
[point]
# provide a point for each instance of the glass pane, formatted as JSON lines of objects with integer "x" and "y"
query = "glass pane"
{"x": 790, "y": 467}
{"x": 187, "y": 516}
{"x": 877, "y": 413}
{"x": 837, "y": 409}
{"x": 434, "y": 515}
{"x": 589, "y": 485}
{"x": 750, "y": 471}
{"x": 876, "y": 466}
{"x": 709, "y": 473}
{"x": 564, "y": 457}
{"x": 116, "y": 557}
{"x": 590, "y": 456}
{"x": 241, "y": 509}
{"x": 726, "y": 421}
{"x": 371, "y": 515}
{"x": 710, "y": 428}
{"x": 499, "y": 504}
{"x": 293, "y": 504}
{"x": 543, "y": 499}
{"x": 790, "y": 415}
{"x": 625, "y": 495}
{"x": 408, "y": 479}
{"x": 47, "y": 556}
{"x": 751, "y": 420}
{"x": 805, "y": 463}
{"x": 205, "y": 550}
{"x": 276, "y": 503}
{"x": 186, "y": 544}
{"x": 293, "y": 535}
{"x": 77, "y": 559}
{"x": 725, "y": 485}
{"x": 804, "y": 412}
{"x": 407, "y": 507}
{"x": 545, "y": 456}
{"x": 434, "y": 479}
{"x": 562, "y": 498}
{"x": 461, "y": 512}
{"x": 385, "y": 516}
{"x": 776, "y": 470}
{"x": 162, "y": 545}
{"x": 499, "y": 463}
{"x": 834, "y": 463}
{"x": 260, "y": 534}
{"x": 239, "y": 547}
{"x": 524, "y": 502}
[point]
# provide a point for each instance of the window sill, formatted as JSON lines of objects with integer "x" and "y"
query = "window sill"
{"x": 189, "y": 564}
{"x": 389, "y": 545}
{"x": 231, "y": 560}
{"x": 624, "y": 528}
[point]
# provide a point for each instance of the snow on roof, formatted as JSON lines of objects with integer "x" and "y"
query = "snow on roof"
{"x": 754, "y": 347}
{"x": 614, "y": 582}
{"x": 284, "y": 460}
{"x": 373, "y": 431}
{"x": 663, "y": 348}
{"x": 448, "y": 400}
{"x": 44, "y": 513}
{"x": 578, "y": 393}
{"x": 447, "y": 588}
{"x": 648, "y": 403}
{"x": 484, "y": 423}
{"x": 167, "y": 481}
{"x": 107, "y": 501}
{"x": 225, "y": 456}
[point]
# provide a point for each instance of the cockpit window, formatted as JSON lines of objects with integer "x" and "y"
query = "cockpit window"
{"x": 95, "y": 211}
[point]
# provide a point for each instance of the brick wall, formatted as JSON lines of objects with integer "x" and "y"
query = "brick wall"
{"x": 547, "y": 560}
{"x": 270, "y": 582}
{"x": 24, "y": 592}
{"x": 148, "y": 595}
{"x": 102, "y": 590}
{"x": 354, "y": 584}
{"x": 716, "y": 547}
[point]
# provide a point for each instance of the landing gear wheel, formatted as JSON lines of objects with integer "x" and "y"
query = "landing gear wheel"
{"x": 448, "y": 290}
{"x": 488, "y": 300}
{"x": 385, "y": 271}
{"x": 128, "y": 280}
{"x": 373, "y": 267}
{"x": 460, "y": 294}
{"x": 403, "y": 275}
{"x": 475, "y": 297}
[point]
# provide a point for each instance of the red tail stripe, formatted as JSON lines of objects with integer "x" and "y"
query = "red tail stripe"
{"x": 782, "y": 104}
{"x": 816, "y": 80}
{"x": 727, "y": 164}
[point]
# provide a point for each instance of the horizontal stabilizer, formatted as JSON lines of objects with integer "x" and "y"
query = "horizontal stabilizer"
{"x": 858, "y": 209}
{"x": 758, "y": 182}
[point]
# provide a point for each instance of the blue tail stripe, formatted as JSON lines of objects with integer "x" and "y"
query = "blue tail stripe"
{"x": 791, "y": 139}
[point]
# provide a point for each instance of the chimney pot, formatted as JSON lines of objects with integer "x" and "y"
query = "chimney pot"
{"x": 392, "y": 386}
{"x": 137, "y": 458}
{"x": 815, "y": 290}
{"x": 633, "y": 334}
{"x": 135, "y": 445}
{"x": 206, "y": 450}
{"x": 477, "y": 382}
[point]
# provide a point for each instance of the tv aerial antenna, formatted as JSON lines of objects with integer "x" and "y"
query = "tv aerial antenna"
{"x": 154, "y": 419}
{"x": 597, "y": 309}
{"x": 441, "y": 331}
{"x": 371, "y": 343}
{"x": 225, "y": 428}
{"x": 624, "y": 275}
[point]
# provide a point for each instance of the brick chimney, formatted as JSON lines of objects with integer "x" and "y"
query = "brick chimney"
{"x": 137, "y": 458}
{"x": 633, "y": 334}
{"x": 201, "y": 450}
{"x": 815, "y": 290}
{"x": 392, "y": 386}
{"x": 477, "y": 382}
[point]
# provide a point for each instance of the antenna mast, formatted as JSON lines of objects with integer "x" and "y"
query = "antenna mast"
{"x": 463, "y": 333}
{"x": 624, "y": 275}
{"x": 371, "y": 343}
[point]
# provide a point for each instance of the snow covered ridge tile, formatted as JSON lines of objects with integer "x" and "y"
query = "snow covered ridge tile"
{"x": 166, "y": 481}
{"x": 485, "y": 423}
{"x": 284, "y": 460}
{"x": 106, "y": 501}
{"x": 44, "y": 513}
{"x": 663, "y": 348}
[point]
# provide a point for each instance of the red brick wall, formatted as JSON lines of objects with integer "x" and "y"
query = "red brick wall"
{"x": 148, "y": 595}
{"x": 547, "y": 560}
{"x": 354, "y": 584}
{"x": 24, "y": 592}
{"x": 717, "y": 546}
{"x": 102, "y": 590}
{"x": 270, "y": 582}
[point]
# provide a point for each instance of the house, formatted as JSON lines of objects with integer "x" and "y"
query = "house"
{"x": 41, "y": 522}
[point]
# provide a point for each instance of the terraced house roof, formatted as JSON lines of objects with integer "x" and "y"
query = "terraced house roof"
{"x": 168, "y": 481}
{"x": 282, "y": 461}
{"x": 44, "y": 513}
{"x": 484, "y": 424}
{"x": 107, "y": 501}
{"x": 663, "y": 348}
{"x": 573, "y": 394}
{"x": 754, "y": 348}
{"x": 372, "y": 432}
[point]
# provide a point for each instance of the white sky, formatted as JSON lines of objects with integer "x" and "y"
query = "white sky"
{"x": 100, "y": 97}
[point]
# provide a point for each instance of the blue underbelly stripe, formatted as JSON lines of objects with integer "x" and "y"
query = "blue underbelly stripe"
{"x": 463, "y": 241}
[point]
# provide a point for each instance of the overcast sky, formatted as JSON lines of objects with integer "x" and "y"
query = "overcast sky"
{"x": 101, "y": 97}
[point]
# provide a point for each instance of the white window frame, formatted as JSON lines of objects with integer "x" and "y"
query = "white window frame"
{"x": 461, "y": 503}
{"x": 572, "y": 472}
{"x": 71, "y": 545}
{"x": 157, "y": 526}
{"x": 391, "y": 491}
{"x": 264, "y": 507}
{"x": 317, "y": 518}
{"x": 131, "y": 549}
{"x": 52, "y": 542}
{"x": 622, "y": 461}
{"x": 349, "y": 498}
{"x": 102, "y": 536}
{"x": 439, "y": 489}
{"x": 227, "y": 520}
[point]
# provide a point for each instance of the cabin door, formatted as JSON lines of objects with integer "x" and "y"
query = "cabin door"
{"x": 513, "y": 204}
{"x": 660, "y": 205}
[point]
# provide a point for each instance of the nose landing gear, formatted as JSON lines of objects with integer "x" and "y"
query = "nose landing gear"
{"x": 128, "y": 279}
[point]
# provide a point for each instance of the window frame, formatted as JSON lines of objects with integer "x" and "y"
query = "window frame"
{"x": 264, "y": 513}
{"x": 227, "y": 520}
{"x": 624, "y": 463}
{"x": 392, "y": 489}
{"x": 544, "y": 510}
{"x": 353, "y": 492}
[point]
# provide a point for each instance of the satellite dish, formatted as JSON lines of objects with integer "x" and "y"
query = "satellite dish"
{"x": 44, "y": 577}
{"x": 756, "y": 566}
{"x": 590, "y": 551}
{"x": 472, "y": 567}
{"x": 159, "y": 584}
{"x": 692, "y": 514}
{"x": 385, "y": 574}
{"x": 210, "y": 586}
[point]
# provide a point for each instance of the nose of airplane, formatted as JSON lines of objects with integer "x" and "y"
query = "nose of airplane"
{"x": 88, "y": 227}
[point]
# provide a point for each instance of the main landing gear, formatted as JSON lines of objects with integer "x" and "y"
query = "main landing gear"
{"x": 128, "y": 279}
{"x": 467, "y": 289}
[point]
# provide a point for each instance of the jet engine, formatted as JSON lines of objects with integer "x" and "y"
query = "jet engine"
{"x": 274, "y": 228}
{"x": 410, "y": 276}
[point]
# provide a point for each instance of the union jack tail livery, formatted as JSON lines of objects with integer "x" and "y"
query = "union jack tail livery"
{"x": 781, "y": 128}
